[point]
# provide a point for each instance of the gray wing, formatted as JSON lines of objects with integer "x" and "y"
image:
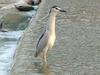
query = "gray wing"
{"x": 41, "y": 44}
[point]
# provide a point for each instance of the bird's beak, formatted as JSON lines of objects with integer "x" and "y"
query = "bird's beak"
{"x": 62, "y": 10}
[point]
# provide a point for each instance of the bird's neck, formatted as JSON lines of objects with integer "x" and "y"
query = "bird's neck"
{"x": 51, "y": 22}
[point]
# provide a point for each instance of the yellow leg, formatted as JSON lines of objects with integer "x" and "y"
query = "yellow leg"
{"x": 44, "y": 57}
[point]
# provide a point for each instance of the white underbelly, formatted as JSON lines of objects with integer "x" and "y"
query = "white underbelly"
{"x": 51, "y": 41}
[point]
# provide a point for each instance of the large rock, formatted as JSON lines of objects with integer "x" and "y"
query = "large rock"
{"x": 77, "y": 47}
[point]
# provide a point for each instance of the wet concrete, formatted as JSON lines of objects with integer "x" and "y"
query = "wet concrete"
{"x": 7, "y": 1}
{"x": 77, "y": 47}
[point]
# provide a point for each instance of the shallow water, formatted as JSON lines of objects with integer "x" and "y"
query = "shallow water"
{"x": 8, "y": 43}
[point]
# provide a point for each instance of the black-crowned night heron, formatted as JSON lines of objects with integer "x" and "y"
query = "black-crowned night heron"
{"x": 22, "y": 5}
{"x": 47, "y": 39}
{"x": 33, "y": 2}
{"x": 29, "y": 6}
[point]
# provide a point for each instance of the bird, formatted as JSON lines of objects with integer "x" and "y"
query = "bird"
{"x": 47, "y": 39}
{"x": 24, "y": 8}
{"x": 28, "y": 6}
{"x": 22, "y": 5}
{"x": 33, "y": 2}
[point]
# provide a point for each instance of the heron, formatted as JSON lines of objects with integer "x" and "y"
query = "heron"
{"x": 47, "y": 39}
{"x": 28, "y": 7}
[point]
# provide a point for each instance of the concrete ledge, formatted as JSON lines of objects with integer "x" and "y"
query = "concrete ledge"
{"x": 77, "y": 48}
{"x": 7, "y": 1}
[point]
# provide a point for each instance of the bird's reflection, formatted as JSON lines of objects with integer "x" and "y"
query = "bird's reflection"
{"x": 44, "y": 69}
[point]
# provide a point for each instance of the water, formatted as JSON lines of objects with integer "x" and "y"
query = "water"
{"x": 8, "y": 43}
{"x": 9, "y": 40}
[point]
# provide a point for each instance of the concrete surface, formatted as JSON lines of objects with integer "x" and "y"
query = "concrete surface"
{"x": 7, "y": 1}
{"x": 77, "y": 47}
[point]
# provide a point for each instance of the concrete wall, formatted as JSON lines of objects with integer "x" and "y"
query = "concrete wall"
{"x": 77, "y": 47}
{"x": 7, "y": 1}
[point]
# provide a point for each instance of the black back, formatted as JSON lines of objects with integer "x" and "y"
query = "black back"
{"x": 24, "y": 8}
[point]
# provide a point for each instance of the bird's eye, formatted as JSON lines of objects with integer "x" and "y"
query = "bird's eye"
{"x": 56, "y": 8}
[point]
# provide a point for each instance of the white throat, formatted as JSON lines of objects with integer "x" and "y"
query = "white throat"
{"x": 51, "y": 22}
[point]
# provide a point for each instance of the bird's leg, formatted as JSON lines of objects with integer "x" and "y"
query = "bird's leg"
{"x": 45, "y": 57}
{"x": 45, "y": 64}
